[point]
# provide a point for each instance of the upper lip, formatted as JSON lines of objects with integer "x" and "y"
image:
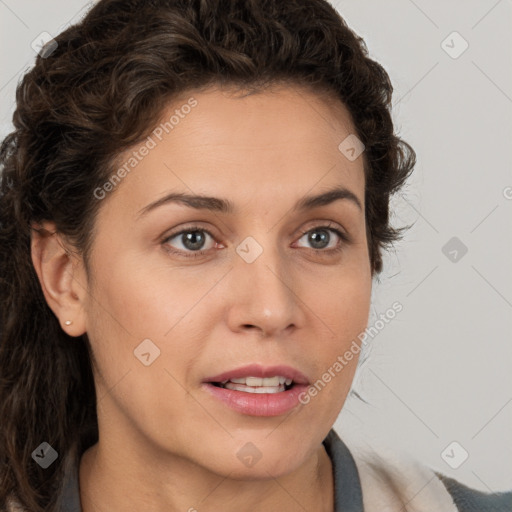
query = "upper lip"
{"x": 256, "y": 370}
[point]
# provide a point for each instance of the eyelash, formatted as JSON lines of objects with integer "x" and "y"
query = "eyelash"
{"x": 195, "y": 254}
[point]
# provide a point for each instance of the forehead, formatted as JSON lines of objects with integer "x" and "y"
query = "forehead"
{"x": 270, "y": 144}
{"x": 262, "y": 120}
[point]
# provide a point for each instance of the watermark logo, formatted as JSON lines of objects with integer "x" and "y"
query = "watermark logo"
{"x": 249, "y": 454}
{"x": 147, "y": 352}
{"x": 454, "y": 45}
{"x": 44, "y": 45}
{"x": 351, "y": 147}
{"x": 249, "y": 249}
{"x": 45, "y": 455}
{"x": 454, "y": 455}
{"x": 454, "y": 249}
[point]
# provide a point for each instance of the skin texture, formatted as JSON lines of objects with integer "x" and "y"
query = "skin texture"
{"x": 165, "y": 443}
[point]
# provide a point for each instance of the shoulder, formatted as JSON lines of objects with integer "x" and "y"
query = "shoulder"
{"x": 471, "y": 500}
{"x": 392, "y": 480}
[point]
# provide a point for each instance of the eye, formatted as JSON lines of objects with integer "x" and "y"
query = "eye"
{"x": 320, "y": 238}
{"x": 190, "y": 242}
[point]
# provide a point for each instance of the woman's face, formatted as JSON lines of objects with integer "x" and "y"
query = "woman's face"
{"x": 181, "y": 292}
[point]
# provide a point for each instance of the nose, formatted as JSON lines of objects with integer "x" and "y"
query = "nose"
{"x": 265, "y": 296}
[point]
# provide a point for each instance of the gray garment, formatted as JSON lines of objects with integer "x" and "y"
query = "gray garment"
{"x": 347, "y": 486}
{"x": 470, "y": 500}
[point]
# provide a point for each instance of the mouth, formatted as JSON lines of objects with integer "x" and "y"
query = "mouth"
{"x": 258, "y": 391}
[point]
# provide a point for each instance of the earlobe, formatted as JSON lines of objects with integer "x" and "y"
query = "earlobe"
{"x": 59, "y": 276}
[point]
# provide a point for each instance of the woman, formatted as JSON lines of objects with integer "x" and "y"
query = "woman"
{"x": 194, "y": 204}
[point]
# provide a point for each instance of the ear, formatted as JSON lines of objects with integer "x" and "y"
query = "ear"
{"x": 62, "y": 277}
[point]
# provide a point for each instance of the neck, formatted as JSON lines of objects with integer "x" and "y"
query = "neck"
{"x": 120, "y": 479}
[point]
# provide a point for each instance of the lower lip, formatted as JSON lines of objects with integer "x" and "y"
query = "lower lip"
{"x": 258, "y": 404}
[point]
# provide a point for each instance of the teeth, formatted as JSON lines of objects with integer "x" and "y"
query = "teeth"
{"x": 250, "y": 384}
{"x": 259, "y": 389}
{"x": 258, "y": 382}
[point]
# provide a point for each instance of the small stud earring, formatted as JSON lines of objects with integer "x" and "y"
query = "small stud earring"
{"x": 68, "y": 322}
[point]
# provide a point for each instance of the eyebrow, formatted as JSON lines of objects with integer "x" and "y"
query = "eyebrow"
{"x": 217, "y": 204}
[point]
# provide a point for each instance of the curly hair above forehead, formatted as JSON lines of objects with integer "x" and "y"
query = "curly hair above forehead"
{"x": 95, "y": 95}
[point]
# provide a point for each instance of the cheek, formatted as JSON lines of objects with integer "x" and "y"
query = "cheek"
{"x": 341, "y": 300}
{"x": 149, "y": 300}
{"x": 135, "y": 301}
{"x": 341, "y": 308}
{"x": 138, "y": 312}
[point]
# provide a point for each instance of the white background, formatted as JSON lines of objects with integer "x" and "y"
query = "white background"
{"x": 441, "y": 370}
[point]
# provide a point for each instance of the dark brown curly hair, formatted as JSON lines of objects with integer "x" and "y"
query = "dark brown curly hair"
{"x": 98, "y": 93}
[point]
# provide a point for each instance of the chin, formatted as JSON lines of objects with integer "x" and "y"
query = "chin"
{"x": 264, "y": 469}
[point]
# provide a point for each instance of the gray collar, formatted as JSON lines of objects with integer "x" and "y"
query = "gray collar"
{"x": 348, "y": 496}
